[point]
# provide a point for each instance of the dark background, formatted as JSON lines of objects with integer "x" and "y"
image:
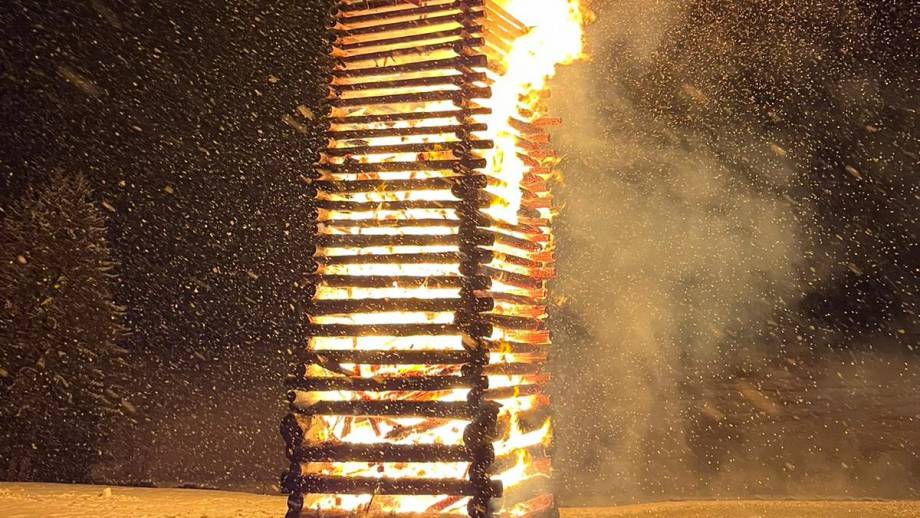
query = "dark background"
{"x": 174, "y": 112}
{"x": 175, "y": 115}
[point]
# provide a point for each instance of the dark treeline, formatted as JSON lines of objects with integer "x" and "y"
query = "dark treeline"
{"x": 65, "y": 381}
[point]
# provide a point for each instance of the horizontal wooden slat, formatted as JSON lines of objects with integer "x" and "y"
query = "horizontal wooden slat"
{"x": 480, "y": 329}
{"x": 459, "y": 63}
{"x": 390, "y": 223}
{"x": 404, "y": 132}
{"x": 513, "y": 368}
{"x": 484, "y": 256}
{"x": 412, "y": 147}
{"x": 382, "y": 453}
{"x": 514, "y": 279}
{"x": 414, "y": 357}
{"x": 445, "y": 409}
{"x": 350, "y": 7}
{"x": 409, "y": 38}
{"x": 456, "y": 45}
{"x": 331, "y": 307}
{"x": 434, "y": 20}
{"x": 367, "y": 281}
{"x": 424, "y": 184}
{"x": 354, "y": 167}
{"x": 384, "y": 384}
{"x": 457, "y": 96}
{"x": 515, "y": 322}
{"x": 412, "y": 10}
{"x": 388, "y": 486}
{"x": 351, "y": 241}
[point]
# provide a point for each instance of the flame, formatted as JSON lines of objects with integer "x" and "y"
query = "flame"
{"x": 525, "y": 44}
{"x": 554, "y": 37}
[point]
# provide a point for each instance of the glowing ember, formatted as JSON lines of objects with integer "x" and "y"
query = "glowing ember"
{"x": 421, "y": 384}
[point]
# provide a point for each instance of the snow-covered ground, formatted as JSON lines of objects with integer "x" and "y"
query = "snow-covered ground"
{"x": 754, "y": 509}
{"x": 24, "y": 500}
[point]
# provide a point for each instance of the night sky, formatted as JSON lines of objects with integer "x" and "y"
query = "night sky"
{"x": 174, "y": 113}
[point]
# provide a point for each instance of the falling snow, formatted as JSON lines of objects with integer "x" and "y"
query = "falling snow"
{"x": 738, "y": 254}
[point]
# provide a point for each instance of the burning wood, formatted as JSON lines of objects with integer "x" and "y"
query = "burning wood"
{"x": 420, "y": 390}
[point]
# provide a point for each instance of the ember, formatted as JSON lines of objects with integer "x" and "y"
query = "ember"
{"x": 421, "y": 387}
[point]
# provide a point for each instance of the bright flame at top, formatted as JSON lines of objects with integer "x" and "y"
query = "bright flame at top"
{"x": 555, "y": 37}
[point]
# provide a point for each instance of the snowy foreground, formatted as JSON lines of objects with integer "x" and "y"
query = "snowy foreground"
{"x": 21, "y": 500}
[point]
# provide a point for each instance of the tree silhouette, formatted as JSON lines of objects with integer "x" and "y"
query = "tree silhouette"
{"x": 61, "y": 370}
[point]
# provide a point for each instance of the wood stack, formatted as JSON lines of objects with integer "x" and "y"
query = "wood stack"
{"x": 427, "y": 311}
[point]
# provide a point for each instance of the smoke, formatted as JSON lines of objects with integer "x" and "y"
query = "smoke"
{"x": 680, "y": 249}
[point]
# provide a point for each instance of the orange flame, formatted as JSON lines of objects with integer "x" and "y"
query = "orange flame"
{"x": 554, "y": 37}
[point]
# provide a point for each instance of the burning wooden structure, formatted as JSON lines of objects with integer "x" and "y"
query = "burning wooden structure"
{"x": 421, "y": 388}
